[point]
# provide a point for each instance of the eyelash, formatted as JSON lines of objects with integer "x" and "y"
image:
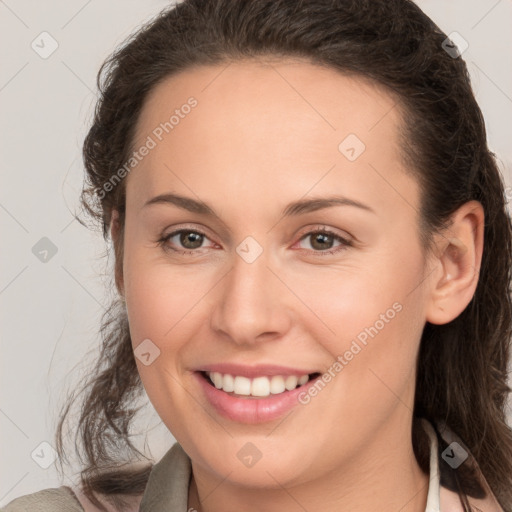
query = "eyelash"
{"x": 162, "y": 242}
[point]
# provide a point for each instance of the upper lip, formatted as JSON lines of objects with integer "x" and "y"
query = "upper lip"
{"x": 254, "y": 370}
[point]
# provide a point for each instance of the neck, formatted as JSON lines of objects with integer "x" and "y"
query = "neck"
{"x": 386, "y": 477}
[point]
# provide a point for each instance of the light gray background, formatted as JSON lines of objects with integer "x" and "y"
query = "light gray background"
{"x": 50, "y": 312}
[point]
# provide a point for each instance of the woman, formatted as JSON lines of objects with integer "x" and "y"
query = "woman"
{"x": 313, "y": 263}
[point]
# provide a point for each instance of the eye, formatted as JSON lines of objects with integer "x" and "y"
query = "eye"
{"x": 322, "y": 239}
{"x": 190, "y": 239}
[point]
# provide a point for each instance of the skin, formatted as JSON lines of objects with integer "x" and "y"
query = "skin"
{"x": 265, "y": 134}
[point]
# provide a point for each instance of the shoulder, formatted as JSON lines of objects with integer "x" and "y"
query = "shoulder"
{"x": 48, "y": 500}
{"x": 64, "y": 499}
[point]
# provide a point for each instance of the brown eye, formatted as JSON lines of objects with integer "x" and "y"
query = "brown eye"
{"x": 190, "y": 239}
{"x": 186, "y": 241}
{"x": 321, "y": 242}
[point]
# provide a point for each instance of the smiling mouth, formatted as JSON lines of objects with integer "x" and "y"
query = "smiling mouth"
{"x": 258, "y": 387}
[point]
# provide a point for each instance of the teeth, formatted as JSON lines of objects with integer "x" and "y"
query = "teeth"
{"x": 228, "y": 383}
{"x": 242, "y": 385}
{"x": 217, "y": 380}
{"x": 303, "y": 380}
{"x": 277, "y": 385}
{"x": 259, "y": 386}
{"x": 291, "y": 382}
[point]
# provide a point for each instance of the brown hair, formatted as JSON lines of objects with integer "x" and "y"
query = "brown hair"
{"x": 462, "y": 366}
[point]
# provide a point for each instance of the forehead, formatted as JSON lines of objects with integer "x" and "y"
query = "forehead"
{"x": 282, "y": 123}
{"x": 252, "y": 93}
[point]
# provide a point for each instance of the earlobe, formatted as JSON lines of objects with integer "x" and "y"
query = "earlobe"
{"x": 459, "y": 256}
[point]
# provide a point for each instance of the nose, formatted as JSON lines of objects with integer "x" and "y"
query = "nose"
{"x": 252, "y": 303}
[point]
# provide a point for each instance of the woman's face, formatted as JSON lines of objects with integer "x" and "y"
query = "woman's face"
{"x": 259, "y": 295}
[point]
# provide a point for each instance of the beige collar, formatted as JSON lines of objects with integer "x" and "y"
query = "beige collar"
{"x": 167, "y": 488}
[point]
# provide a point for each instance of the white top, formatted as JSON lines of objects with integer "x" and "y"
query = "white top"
{"x": 441, "y": 499}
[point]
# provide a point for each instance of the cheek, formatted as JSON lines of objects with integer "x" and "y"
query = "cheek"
{"x": 158, "y": 294}
{"x": 161, "y": 311}
{"x": 375, "y": 322}
{"x": 362, "y": 306}
{"x": 366, "y": 315}
{"x": 164, "y": 305}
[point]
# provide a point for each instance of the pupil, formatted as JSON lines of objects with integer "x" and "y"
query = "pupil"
{"x": 186, "y": 238}
{"x": 322, "y": 237}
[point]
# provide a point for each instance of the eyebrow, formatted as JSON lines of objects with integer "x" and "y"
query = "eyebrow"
{"x": 295, "y": 208}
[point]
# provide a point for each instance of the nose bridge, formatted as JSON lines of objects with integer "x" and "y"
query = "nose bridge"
{"x": 249, "y": 303}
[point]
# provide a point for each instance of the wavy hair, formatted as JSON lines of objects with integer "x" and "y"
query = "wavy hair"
{"x": 462, "y": 365}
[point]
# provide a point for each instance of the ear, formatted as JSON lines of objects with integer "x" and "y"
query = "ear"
{"x": 117, "y": 239}
{"x": 458, "y": 258}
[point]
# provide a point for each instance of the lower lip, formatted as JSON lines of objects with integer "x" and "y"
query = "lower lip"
{"x": 252, "y": 410}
